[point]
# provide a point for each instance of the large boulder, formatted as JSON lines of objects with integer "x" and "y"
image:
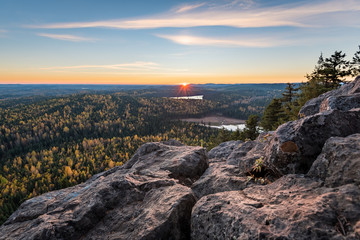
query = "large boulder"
{"x": 345, "y": 98}
{"x": 240, "y": 152}
{"x": 296, "y": 144}
{"x": 339, "y": 161}
{"x": 231, "y": 173}
{"x": 219, "y": 177}
{"x": 147, "y": 198}
{"x": 293, "y": 207}
{"x": 223, "y": 151}
{"x": 246, "y": 155}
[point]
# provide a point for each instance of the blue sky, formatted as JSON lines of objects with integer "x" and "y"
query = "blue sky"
{"x": 157, "y": 42}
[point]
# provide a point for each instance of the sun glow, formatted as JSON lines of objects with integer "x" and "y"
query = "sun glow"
{"x": 184, "y": 89}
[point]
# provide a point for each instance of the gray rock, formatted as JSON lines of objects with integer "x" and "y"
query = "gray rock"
{"x": 219, "y": 177}
{"x": 172, "y": 142}
{"x": 293, "y": 207}
{"x": 343, "y": 103}
{"x": 339, "y": 162}
{"x": 295, "y": 145}
{"x": 223, "y": 150}
{"x": 229, "y": 174}
{"x": 254, "y": 150}
{"x": 240, "y": 152}
{"x": 147, "y": 198}
{"x": 232, "y": 174}
{"x": 339, "y": 99}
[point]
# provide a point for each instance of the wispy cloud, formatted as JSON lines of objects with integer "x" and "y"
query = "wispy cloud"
{"x": 234, "y": 42}
{"x": 239, "y": 4}
{"x": 138, "y": 67}
{"x": 308, "y": 14}
{"x": 188, "y": 7}
{"x": 122, "y": 66}
{"x": 66, "y": 37}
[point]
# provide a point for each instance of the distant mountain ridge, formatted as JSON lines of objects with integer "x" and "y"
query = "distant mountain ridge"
{"x": 26, "y": 90}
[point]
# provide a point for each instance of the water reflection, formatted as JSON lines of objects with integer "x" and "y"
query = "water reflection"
{"x": 228, "y": 127}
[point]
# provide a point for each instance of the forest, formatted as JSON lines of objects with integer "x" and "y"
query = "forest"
{"x": 60, "y": 142}
{"x": 49, "y": 142}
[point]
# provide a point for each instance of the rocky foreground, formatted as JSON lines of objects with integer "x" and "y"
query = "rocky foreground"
{"x": 311, "y": 168}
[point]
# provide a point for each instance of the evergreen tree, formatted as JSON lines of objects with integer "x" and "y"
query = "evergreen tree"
{"x": 272, "y": 115}
{"x": 327, "y": 75}
{"x": 289, "y": 103}
{"x": 290, "y": 93}
{"x": 355, "y": 68}
{"x": 250, "y": 131}
{"x": 330, "y": 72}
{"x": 236, "y": 135}
{"x": 336, "y": 69}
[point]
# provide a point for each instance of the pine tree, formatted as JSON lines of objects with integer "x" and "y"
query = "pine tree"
{"x": 336, "y": 68}
{"x": 272, "y": 115}
{"x": 223, "y": 136}
{"x": 290, "y": 93}
{"x": 328, "y": 74}
{"x": 236, "y": 135}
{"x": 250, "y": 131}
{"x": 355, "y": 68}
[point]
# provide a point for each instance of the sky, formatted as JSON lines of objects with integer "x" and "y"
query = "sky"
{"x": 171, "y": 41}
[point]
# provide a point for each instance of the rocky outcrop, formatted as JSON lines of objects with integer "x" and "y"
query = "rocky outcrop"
{"x": 296, "y": 144}
{"x": 323, "y": 204}
{"x": 147, "y": 198}
{"x": 230, "y": 164}
{"x": 339, "y": 162}
{"x": 293, "y": 207}
{"x": 345, "y": 98}
{"x": 222, "y": 174}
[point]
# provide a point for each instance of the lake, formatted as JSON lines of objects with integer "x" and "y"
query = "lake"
{"x": 198, "y": 97}
{"x": 228, "y": 127}
{"x": 218, "y": 121}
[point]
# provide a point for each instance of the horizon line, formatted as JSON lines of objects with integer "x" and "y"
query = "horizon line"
{"x": 119, "y": 84}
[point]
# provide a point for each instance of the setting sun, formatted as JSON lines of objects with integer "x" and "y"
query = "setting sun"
{"x": 184, "y": 84}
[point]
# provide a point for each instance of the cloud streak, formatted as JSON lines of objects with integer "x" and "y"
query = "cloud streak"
{"x": 305, "y": 15}
{"x": 186, "y": 8}
{"x": 222, "y": 42}
{"x": 122, "y": 66}
{"x": 138, "y": 67}
{"x": 66, "y": 37}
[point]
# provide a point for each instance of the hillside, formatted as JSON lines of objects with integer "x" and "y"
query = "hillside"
{"x": 50, "y": 140}
{"x": 61, "y": 142}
